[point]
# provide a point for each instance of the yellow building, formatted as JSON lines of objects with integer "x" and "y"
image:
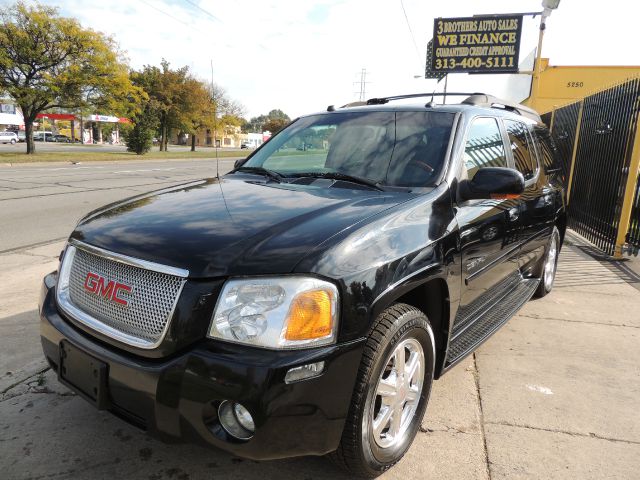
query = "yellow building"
{"x": 561, "y": 85}
{"x": 229, "y": 136}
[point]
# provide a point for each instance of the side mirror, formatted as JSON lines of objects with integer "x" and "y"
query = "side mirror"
{"x": 492, "y": 182}
{"x": 239, "y": 162}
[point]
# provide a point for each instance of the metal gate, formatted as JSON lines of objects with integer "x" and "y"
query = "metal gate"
{"x": 565, "y": 122}
{"x": 598, "y": 145}
{"x": 633, "y": 237}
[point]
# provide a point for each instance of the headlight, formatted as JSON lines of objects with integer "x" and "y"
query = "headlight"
{"x": 277, "y": 312}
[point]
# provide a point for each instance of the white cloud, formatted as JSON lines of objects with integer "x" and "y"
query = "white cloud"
{"x": 301, "y": 56}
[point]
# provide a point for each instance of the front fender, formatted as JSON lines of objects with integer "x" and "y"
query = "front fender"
{"x": 388, "y": 255}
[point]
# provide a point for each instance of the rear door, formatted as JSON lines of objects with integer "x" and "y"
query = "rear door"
{"x": 537, "y": 201}
{"x": 488, "y": 228}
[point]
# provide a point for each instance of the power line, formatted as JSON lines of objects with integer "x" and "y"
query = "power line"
{"x": 203, "y": 10}
{"x": 413, "y": 38}
{"x": 164, "y": 13}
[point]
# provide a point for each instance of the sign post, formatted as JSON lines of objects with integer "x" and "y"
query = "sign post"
{"x": 485, "y": 44}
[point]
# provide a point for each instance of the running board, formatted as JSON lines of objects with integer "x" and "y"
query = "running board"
{"x": 482, "y": 328}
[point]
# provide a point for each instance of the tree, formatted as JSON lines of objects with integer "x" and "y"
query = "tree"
{"x": 177, "y": 99}
{"x": 273, "y": 121}
{"x": 204, "y": 115}
{"x": 274, "y": 125}
{"x": 228, "y": 112}
{"x": 47, "y": 61}
{"x": 139, "y": 139}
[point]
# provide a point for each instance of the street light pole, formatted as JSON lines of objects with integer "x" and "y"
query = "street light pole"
{"x": 549, "y": 6}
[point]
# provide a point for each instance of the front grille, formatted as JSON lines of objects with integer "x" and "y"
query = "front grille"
{"x": 142, "y": 321}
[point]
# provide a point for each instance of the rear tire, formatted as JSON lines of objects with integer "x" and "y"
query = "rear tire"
{"x": 549, "y": 265}
{"x": 391, "y": 392}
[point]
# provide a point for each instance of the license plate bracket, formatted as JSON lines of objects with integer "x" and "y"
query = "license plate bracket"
{"x": 84, "y": 374}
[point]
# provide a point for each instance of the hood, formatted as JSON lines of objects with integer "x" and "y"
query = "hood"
{"x": 225, "y": 227}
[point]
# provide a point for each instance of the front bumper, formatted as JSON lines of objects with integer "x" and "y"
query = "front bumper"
{"x": 176, "y": 398}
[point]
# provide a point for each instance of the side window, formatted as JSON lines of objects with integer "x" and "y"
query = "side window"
{"x": 550, "y": 155}
{"x": 484, "y": 147}
{"x": 522, "y": 149}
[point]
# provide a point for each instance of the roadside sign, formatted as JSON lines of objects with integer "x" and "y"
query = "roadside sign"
{"x": 429, "y": 72}
{"x": 484, "y": 44}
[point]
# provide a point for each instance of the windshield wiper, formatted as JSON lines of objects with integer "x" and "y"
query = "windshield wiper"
{"x": 273, "y": 175}
{"x": 342, "y": 176}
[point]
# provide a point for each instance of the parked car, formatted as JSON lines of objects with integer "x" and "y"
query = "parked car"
{"x": 245, "y": 145}
{"x": 22, "y": 136}
{"x": 8, "y": 137}
{"x": 41, "y": 136}
{"x": 61, "y": 138}
{"x": 303, "y": 304}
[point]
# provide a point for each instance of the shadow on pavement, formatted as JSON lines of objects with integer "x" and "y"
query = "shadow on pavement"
{"x": 578, "y": 267}
{"x": 50, "y": 432}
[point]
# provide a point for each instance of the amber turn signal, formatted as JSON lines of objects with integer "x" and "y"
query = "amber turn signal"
{"x": 504, "y": 196}
{"x": 310, "y": 316}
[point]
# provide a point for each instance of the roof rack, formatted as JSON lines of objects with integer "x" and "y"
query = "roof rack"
{"x": 489, "y": 101}
{"x": 476, "y": 99}
{"x": 383, "y": 100}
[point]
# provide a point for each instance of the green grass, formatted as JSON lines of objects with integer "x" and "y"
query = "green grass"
{"x": 84, "y": 156}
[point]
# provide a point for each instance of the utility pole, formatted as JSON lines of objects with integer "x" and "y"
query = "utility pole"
{"x": 362, "y": 94}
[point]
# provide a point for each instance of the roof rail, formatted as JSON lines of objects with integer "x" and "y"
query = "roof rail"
{"x": 383, "y": 100}
{"x": 354, "y": 104}
{"x": 489, "y": 101}
{"x": 476, "y": 99}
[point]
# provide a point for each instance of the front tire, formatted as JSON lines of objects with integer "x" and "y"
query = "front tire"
{"x": 550, "y": 265}
{"x": 391, "y": 392}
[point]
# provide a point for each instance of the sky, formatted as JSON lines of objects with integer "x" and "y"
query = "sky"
{"x": 302, "y": 55}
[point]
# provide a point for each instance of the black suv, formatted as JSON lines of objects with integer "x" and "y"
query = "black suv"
{"x": 303, "y": 303}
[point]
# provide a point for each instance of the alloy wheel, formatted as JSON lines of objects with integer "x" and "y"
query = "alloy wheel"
{"x": 550, "y": 264}
{"x": 397, "y": 393}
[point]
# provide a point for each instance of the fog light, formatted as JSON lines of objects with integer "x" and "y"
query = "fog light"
{"x": 236, "y": 420}
{"x": 244, "y": 417}
{"x": 304, "y": 372}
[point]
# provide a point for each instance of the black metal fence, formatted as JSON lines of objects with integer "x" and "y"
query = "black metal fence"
{"x": 565, "y": 122}
{"x": 596, "y": 173}
{"x": 633, "y": 237}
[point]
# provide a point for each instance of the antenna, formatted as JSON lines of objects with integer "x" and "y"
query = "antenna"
{"x": 215, "y": 124}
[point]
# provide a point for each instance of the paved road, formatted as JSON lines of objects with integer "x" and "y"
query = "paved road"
{"x": 66, "y": 147}
{"x": 42, "y": 203}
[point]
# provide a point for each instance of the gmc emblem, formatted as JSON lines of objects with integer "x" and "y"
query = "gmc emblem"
{"x": 107, "y": 289}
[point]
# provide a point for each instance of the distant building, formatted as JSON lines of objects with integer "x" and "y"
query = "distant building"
{"x": 205, "y": 137}
{"x": 10, "y": 116}
{"x": 254, "y": 140}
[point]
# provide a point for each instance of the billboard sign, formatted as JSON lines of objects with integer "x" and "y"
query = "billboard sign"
{"x": 485, "y": 44}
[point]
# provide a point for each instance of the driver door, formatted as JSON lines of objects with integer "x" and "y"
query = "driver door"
{"x": 488, "y": 228}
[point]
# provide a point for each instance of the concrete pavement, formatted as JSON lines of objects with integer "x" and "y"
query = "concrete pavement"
{"x": 552, "y": 395}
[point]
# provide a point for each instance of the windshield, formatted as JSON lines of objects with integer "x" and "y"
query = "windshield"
{"x": 403, "y": 149}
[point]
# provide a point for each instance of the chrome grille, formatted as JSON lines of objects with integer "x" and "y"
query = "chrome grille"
{"x": 150, "y": 303}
